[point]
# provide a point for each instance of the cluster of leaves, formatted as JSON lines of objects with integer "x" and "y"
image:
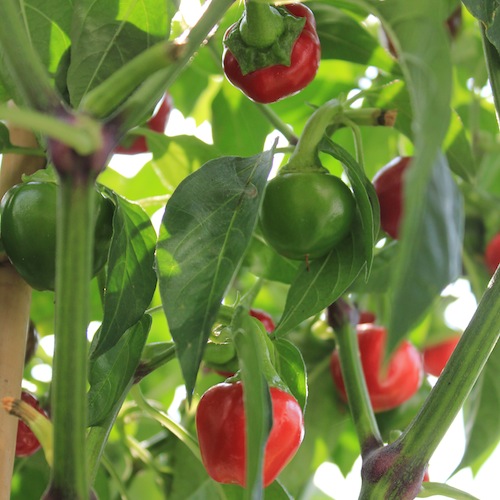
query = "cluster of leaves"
{"x": 203, "y": 196}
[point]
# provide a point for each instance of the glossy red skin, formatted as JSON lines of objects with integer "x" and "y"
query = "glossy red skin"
{"x": 264, "y": 318}
{"x": 492, "y": 254}
{"x": 388, "y": 184}
{"x": 220, "y": 423}
{"x": 436, "y": 356}
{"x": 276, "y": 82}
{"x": 156, "y": 123}
{"x": 403, "y": 377}
{"x": 26, "y": 441}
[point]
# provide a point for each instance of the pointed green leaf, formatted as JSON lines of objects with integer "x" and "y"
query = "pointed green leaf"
{"x": 111, "y": 374}
{"x": 323, "y": 281}
{"x": 130, "y": 280}
{"x": 206, "y": 228}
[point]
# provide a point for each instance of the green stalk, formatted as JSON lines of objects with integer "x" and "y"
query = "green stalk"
{"x": 83, "y": 135}
{"x": 354, "y": 380}
{"x": 105, "y": 98}
{"x": 161, "y": 417}
{"x": 413, "y": 449}
{"x": 152, "y": 88}
{"x": 25, "y": 68}
{"x": 75, "y": 236}
{"x": 261, "y": 24}
{"x": 325, "y": 120}
{"x": 278, "y": 123}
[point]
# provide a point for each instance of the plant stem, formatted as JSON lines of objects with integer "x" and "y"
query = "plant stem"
{"x": 26, "y": 69}
{"x": 458, "y": 378}
{"x": 76, "y": 197}
{"x": 278, "y": 123}
{"x": 120, "y": 485}
{"x": 400, "y": 463}
{"x": 354, "y": 380}
{"x": 325, "y": 120}
{"x": 79, "y": 135}
{"x": 155, "y": 86}
{"x": 106, "y": 97}
{"x": 161, "y": 417}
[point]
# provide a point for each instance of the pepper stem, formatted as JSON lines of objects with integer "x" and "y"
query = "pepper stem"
{"x": 261, "y": 24}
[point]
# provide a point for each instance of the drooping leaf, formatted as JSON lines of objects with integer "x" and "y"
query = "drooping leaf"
{"x": 429, "y": 257}
{"x": 111, "y": 374}
{"x": 424, "y": 54}
{"x": 206, "y": 228}
{"x": 130, "y": 280}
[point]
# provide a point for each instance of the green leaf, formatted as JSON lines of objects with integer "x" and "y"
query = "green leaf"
{"x": 342, "y": 37}
{"x": 265, "y": 262}
{"x": 322, "y": 282}
{"x": 105, "y": 35}
{"x": 130, "y": 280}
{"x": 430, "y": 195}
{"x": 481, "y": 411}
{"x": 364, "y": 193}
{"x": 206, "y": 228}
{"x": 433, "y": 489}
{"x": 487, "y": 12}
{"x": 429, "y": 257}
{"x": 258, "y": 408}
{"x": 238, "y": 127}
{"x": 291, "y": 368}
{"x": 110, "y": 375}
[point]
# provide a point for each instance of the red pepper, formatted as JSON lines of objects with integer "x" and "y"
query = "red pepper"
{"x": 436, "y": 356}
{"x": 272, "y": 83}
{"x": 26, "y": 441}
{"x": 220, "y": 423}
{"x": 156, "y": 123}
{"x": 392, "y": 388}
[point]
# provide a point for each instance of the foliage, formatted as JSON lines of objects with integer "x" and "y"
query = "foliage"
{"x": 187, "y": 257}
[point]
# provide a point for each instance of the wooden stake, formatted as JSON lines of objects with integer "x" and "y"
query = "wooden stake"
{"x": 15, "y": 301}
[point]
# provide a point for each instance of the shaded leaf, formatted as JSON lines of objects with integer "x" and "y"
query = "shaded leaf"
{"x": 291, "y": 368}
{"x": 130, "y": 280}
{"x": 110, "y": 375}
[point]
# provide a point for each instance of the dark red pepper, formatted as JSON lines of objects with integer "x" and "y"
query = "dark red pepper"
{"x": 26, "y": 441}
{"x": 156, "y": 123}
{"x": 272, "y": 83}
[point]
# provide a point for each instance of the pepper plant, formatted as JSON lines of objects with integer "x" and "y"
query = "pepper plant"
{"x": 151, "y": 301}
